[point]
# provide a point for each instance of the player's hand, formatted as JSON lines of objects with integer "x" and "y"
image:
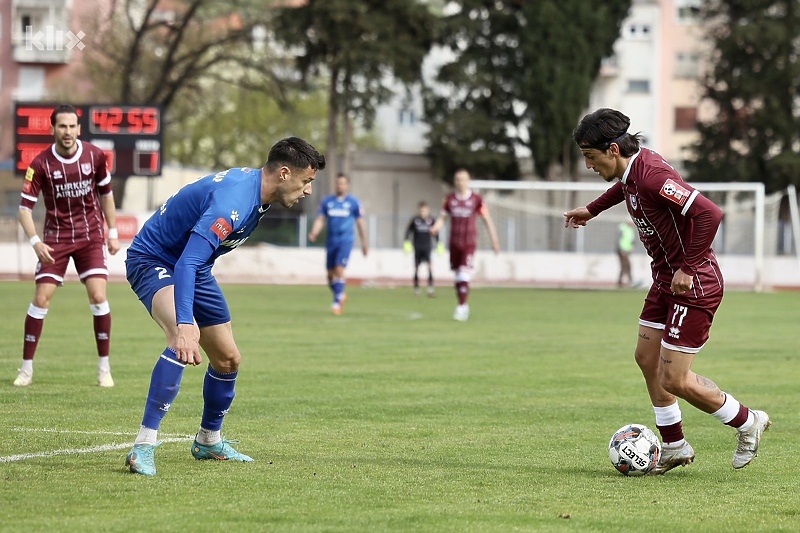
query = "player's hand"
{"x": 496, "y": 247}
{"x": 312, "y": 237}
{"x": 577, "y": 217}
{"x": 365, "y": 250}
{"x": 681, "y": 282}
{"x": 187, "y": 344}
{"x": 407, "y": 247}
{"x": 113, "y": 246}
{"x": 440, "y": 249}
{"x": 43, "y": 251}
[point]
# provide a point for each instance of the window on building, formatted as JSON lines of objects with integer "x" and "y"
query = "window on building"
{"x": 687, "y": 65}
{"x": 639, "y": 86}
{"x": 408, "y": 117}
{"x": 639, "y": 31}
{"x": 685, "y": 118}
{"x": 688, "y": 10}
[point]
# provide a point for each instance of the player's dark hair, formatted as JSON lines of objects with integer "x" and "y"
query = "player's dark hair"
{"x": 604, "y": 127}
{"x": 295, "y": 153}
{"x": 63, "y": 108}
{"x": 462, "y": 169}
{"x": 423, "y": 203}
{"x": 343, "y": 175}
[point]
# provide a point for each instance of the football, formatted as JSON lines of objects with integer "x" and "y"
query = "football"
{"x": 634, "y": 450}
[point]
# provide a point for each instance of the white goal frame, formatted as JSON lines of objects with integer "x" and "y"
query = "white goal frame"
{"x": 757, "y": 189}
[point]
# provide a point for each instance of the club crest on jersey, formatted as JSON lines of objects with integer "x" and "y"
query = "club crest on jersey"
{"x": 234, "y": 215}
{"x": 634, "y": 202}
{"x": 673, "y": 191}
{"x": 221, "y": 228}
{"x": 57, "y": 175}
{"x": 86, "y": 168}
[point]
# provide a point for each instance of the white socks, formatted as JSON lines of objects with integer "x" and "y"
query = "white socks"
{"x": 208, "y": 437}
{"x": 146, "y": 436}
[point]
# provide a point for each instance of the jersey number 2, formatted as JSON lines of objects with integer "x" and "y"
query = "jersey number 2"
{"x": 162, "y": 272}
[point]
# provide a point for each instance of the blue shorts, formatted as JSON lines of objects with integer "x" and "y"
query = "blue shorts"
{"x": 147, "y": 275}
{"x": 338, "y": 254}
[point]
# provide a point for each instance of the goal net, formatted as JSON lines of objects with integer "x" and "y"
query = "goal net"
{"x": 529, "y": 218}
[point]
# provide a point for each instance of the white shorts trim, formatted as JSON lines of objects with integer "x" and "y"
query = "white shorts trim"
{"x": 92, "y": 272}
{"x": 59, "y": 279}
{"x": 684, "y": 349}
{"x": 654, "y": 325}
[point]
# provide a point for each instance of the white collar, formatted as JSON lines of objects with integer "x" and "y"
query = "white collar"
{"x": 74, "y": 158}
{"x": 630, "y": 164}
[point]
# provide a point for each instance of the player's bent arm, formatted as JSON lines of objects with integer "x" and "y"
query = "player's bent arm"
{"x": 706, "y": 217}
{"x": 197, "y": 252}
{"x": 439, "y": 224}
{"x": 316, "y": 227}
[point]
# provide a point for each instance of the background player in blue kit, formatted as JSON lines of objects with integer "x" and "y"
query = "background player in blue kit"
{"x": 342, "y": 212}
{"x": 169, "y": 268}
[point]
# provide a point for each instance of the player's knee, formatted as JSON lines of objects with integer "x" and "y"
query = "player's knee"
{"x": 463, "y": 275}
{"x": 674, "y": 384}
{"x": 226, "y": 363}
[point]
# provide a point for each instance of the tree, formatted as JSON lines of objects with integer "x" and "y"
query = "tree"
{"x": 520, "y": 78}
{"x": 358, "y": 48}
{"x": 753, "y": 85}
{"x": 178, "y": 54}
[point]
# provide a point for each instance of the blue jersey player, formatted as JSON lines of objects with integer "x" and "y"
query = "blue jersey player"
{"x": 343, "y": 213}
{"x": 169, "y": 268}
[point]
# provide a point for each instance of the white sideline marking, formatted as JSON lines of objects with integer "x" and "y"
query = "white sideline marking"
{"x": 72, "y": 451}
{"x": 115, "y": 433}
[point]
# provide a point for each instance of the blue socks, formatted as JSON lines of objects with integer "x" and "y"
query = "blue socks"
{"x": 218, "y": 393}
{"x": 337, "y": 287}
{"x": 165, "y": 383}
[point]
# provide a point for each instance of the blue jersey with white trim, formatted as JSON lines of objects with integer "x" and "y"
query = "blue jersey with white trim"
{"x": 223, "y": 208}
{"x": 341, "y": 214}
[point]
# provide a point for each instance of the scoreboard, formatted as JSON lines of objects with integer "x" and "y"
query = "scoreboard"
{"x": 130, "y": 135}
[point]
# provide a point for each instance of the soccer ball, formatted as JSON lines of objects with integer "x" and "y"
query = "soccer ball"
{"x": 634, "y": 450}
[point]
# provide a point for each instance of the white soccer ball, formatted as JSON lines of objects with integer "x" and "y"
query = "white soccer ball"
{"x": 634, "y": 450}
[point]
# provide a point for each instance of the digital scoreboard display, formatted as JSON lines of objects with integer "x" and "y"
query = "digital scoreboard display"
{"x": 131, "y": 136}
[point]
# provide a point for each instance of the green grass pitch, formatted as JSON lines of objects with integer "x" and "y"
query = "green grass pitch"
{"x": 392, "y": 417}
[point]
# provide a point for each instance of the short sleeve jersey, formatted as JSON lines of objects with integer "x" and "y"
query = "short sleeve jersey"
{"x": 419, "y": 229}
{"x": 341, "y": 215}
{"x": 463, "y": 213}
{"x": 662, "y": 206}
{"x": 223, "y": 208}
{"x": 71, "y": 189}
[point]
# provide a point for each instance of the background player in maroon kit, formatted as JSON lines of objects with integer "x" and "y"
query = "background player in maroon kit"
{"x": 677, "y": 225}
{"x": 463, "y": 207}
{"x": 76, "y": 186}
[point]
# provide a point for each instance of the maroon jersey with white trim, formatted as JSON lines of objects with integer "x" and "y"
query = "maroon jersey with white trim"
{"x": 676, "y": 223}
{"x": 71, "y": 189}
{"x": 463, "y": 215}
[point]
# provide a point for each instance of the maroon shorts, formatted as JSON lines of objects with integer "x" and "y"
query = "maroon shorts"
{"x": 89, "y": 257}
{"x": 462, "y": 257}
{"x": 685, "y": 321}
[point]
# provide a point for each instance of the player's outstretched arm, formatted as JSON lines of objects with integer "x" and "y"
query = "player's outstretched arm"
{"x": 439, "y": 224}
{"x": 41, "y": 249}
{"x": 577, "y": 217}
{"x": 487, "y": 219}
{"x": 362, "y": 234}
{"x": 110, "y": 212}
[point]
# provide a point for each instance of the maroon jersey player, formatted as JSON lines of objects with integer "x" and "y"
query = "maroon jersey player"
{"x": 73, "y": 179}
{"x": 463, "y": 207}
{"x": 677, "y": 225}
